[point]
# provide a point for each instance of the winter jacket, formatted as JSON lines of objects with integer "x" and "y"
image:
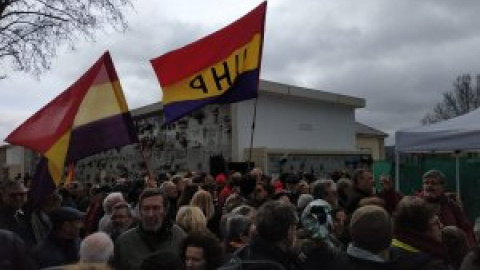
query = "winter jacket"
{"x": 355, "y": 198}
{"x": 13, "y": 252}
{"x": 408, "y": 257}
{"x": 17, "y": 222}
{"x": 451, "y": 214}
{"x": 261, "y": 250}
{"x": 54, "y": 251}
{"x": 133, "y": 246}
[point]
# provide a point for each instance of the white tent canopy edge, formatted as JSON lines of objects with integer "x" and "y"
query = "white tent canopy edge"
{"x": 458, "y": 134}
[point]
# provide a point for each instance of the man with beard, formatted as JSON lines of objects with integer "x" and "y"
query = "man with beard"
{"x": 154, "y": 233}
{"x": 449, "y": 211}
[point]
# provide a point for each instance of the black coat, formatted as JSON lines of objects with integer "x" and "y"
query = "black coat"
{"x": 18, "y": 223}
{"x": 321, "y": 257}
{"x": 347, "y": 262}
{"x": 262, "y": 250}
{"x": 355, "y": 198}
{"x": 13, "y": 252}
{"x": 55, "y": 251}
{"x": 407, "y": 260}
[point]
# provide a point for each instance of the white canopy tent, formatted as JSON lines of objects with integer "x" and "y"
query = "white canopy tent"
{"x": 454, "y": 135}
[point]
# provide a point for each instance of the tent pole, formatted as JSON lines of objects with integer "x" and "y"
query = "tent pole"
{"x": 397, "y": 171}
{"x": 457, "y": 173}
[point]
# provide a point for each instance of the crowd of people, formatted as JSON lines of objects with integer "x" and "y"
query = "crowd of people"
{"x": 197, "y": 221}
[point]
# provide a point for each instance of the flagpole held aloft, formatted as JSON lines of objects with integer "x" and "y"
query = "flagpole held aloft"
{"x": 252, "y": 133}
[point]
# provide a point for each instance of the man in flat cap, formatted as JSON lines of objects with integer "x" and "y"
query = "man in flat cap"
{"x": 62, "y": 245}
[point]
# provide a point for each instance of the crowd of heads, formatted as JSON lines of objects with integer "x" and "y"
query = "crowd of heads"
{"x": 197, "y": 221}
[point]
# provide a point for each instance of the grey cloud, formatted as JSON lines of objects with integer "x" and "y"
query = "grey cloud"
{"x": 398, "y": 55}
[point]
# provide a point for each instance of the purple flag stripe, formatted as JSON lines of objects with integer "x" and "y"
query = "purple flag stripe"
{"x": 101, "y": 135}
{"x": 244, "y": 88}
{"x": 42, "y": 184}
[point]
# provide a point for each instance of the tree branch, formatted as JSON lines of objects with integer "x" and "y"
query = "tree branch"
{"x": 36, "y": 13}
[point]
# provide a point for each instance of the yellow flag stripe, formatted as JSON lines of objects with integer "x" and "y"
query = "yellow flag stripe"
{"x": 100, "y": 102}
{"x": 56, "y": 157}
{"x": 245, "y": 58}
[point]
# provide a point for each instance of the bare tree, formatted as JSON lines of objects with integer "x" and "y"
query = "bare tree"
{"x": 32, "y": 30}
{"x": 464, "y": 98}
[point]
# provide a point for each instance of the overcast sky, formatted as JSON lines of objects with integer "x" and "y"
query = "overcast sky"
{"x": 398, "y": 55}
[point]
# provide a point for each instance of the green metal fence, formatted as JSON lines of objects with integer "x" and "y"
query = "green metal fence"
{"x": 413, "y": 167}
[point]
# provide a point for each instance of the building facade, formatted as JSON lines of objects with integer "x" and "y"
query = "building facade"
{"x": 295, "y": 129}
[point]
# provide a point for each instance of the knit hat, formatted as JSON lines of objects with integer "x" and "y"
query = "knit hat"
{"x": 316, "y": 219}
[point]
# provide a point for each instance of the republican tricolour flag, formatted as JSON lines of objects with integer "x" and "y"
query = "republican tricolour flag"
{"x": 89, "y": 117}
{"x": 223, "y": 67}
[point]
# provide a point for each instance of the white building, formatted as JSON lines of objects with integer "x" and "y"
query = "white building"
{"x": 295, "y": 121}
{"x": 295, "y": 129}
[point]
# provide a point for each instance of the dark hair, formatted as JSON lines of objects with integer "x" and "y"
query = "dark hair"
{"x": 198, "y": 179}
{"x": 212, "y": 248}
{"x": 273, "y": 220}
{"x": 151, "y": 192}
{"x": 357, "y": 175}
{"x": 413, "y": 214}
{"x": 247, "y": 185}
{"x": 187, "y": 194}
{"x": 267, "y": 187}
{"x": 319, "y": 188}
{"x": 282, "y": 193}
{"x": 456, "y": 242}
{"x": 292, "y": 179}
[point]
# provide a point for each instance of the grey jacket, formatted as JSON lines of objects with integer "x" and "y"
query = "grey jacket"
{"x": 133, "y": 246}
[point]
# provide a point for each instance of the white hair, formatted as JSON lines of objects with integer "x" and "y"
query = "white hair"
{"x": 96, "y": 248}
{"x": 111, "y": 200}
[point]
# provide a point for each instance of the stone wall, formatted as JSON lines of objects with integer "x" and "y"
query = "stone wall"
{"x": 186, "y": 144}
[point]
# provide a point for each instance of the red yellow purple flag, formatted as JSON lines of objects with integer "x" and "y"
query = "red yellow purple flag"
{"x": 90, "y": 116}
{"x": 223, "y": 67}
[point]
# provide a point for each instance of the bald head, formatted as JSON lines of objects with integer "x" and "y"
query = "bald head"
{"x": 371, "y": 229}
{"x": 96, "y": 248}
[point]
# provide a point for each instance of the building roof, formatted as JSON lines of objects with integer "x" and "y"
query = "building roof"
{"x": 147, "y": 110}
{"x": 275, "y": 88}
{"x": 310, "y": 94}
{"x": 362, "y": 129}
